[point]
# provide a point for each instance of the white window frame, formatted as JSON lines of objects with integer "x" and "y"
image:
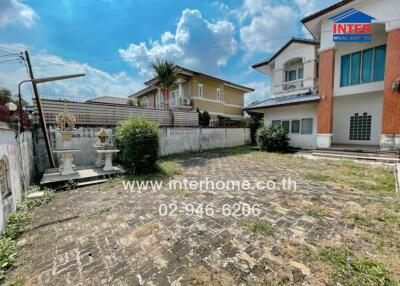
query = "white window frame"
{"x": 200, "y": 90}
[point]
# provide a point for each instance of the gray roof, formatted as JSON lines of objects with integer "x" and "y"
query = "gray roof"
{"x": 284, "y": 100}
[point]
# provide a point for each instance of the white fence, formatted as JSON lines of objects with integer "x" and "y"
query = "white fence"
{"x": 177, "y": 140}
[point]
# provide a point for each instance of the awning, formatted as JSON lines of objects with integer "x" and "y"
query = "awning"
{"x": 284, "y": 100}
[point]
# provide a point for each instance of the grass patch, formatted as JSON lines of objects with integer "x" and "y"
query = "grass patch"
{"x": 360, "y": 218}
{"x": 165, "y": 170}
{"x": 361, "y": 176}
{"x": 351, "y": 270}
{"x": 313, "y": 213}
{"x": 232, "y": 151}
{"x": 317, "y": 177}
{"x": 262, "y": 228}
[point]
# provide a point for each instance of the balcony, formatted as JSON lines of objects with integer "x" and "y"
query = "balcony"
{"x": 295, "y": 87}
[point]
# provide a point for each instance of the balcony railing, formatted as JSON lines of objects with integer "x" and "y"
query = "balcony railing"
{"x": 178, "y": 101}
{"x": 300, "y": 84}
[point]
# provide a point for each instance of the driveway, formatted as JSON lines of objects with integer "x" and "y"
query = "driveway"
{"x": 106, "y": 235}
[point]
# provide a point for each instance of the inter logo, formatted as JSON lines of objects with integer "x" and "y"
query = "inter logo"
{"x": 352, "y": 25}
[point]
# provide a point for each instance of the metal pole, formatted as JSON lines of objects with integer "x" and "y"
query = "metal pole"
{"x": 41, "y": 117}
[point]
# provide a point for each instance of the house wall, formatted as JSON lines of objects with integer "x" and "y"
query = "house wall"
{"x": 295, "y": 112}
{"x": 18, "y": 155}
{"x": 152, "y": 99}
{"x": 346, "y": 106}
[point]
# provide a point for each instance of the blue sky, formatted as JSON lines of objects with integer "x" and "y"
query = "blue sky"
{"x": 114, "y": 41}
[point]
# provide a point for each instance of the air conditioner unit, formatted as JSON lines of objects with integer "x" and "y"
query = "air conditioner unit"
{"x": 184, "y": 101}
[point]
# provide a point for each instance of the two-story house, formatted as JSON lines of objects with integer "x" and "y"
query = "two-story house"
{"x": 355, "y": 97}
{"x": 195, "y": 90}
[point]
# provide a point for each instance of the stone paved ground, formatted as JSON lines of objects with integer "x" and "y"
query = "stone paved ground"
{"x": 104, "y": 235}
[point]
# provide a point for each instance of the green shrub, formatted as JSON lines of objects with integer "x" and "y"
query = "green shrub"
{"x": 273, "y": 139}
{"x": 17, "y": 222}
{"x": 138, "y": 140}
{"x": 8, "y": 253}
{"x": 204, "y": 118}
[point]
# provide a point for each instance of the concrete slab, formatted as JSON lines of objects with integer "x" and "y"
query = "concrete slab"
{"x": 83, "y": 173}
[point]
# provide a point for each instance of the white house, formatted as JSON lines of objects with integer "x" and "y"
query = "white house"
{"x": 328, "y": 92}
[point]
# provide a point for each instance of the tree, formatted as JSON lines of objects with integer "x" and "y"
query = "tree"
{"x": 165, "y": 71}
{"x": 5, "y": 96}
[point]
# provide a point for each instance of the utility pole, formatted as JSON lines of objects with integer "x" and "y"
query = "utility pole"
{"x": 41, "y": 117}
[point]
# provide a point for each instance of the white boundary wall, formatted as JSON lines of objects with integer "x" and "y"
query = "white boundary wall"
{"x": 177, "y": 140}
{"x": 19, "y": 158}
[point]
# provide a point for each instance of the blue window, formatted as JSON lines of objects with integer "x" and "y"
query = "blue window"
{"x": 345, "y": 71}
{"x": 355, "y": 68}
{"x": 379, "y": 63}
{"x": 363, "y": 67}
{"x": 367, "y": 64}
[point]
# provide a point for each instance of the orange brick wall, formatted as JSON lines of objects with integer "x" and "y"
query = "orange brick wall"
{"x": 391, "y": 100}
{"x": 325, "y": 105}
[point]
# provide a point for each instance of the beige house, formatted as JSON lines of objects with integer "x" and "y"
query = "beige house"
{"x": 220, "y": 98}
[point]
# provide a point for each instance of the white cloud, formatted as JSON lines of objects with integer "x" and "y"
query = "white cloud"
{"x": 197, "y": 43}
{"x": 261, "y": 92}
{"x": 95, "y": 83}
{"x": 15, "y": 12}
{"x": 269, "y": 26}
{"x": 307, "y": 7}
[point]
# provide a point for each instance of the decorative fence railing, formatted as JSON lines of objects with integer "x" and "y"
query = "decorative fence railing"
{"x": 95, "y": 114}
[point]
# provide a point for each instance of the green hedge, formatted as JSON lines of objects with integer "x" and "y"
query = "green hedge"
{"x": 138, "y": 140}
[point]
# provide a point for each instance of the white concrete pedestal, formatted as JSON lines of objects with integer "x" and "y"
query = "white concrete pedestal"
{"x": 99, "y": 161}
{"x": 108, "y": 153}
{"x": 67, "y": 166}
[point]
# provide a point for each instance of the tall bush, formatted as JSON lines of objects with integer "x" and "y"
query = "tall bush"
{"x": 138, "y": 140}
{"x": 204, "y": 118}
{"x": 254, "y": 123}
{"x": 273, "y": 139}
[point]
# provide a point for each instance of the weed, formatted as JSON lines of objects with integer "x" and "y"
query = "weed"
{"x": 8, "y": 253}
{"x": 262, "y": 228}
{"x": 313, "y": 213}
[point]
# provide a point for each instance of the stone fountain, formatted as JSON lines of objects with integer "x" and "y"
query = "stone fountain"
{"x": 66, "y": 126}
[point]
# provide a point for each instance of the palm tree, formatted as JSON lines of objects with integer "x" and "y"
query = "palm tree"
{"x": 165, "y": 71}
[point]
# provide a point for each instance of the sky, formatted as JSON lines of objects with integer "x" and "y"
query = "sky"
{"x": 115, "y": 41}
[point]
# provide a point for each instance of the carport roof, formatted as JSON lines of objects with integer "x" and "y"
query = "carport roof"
{"x": 284, "y": 100}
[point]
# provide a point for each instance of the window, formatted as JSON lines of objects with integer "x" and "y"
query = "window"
{"x": 145, "y": 101}
{"x": 295, "y": 127}
{"x": 291, "y": 75}
{"x": 276, "y": 122}
{"x": 307, "y": 126}
{"x": 360, "y": 127}
{"x": 300, "y": 73}
{"x": 200, "y": 90}
{"x": 363, "y": 67}
{"x": 286, "y": 125}
{"x": 218, "y": 94}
